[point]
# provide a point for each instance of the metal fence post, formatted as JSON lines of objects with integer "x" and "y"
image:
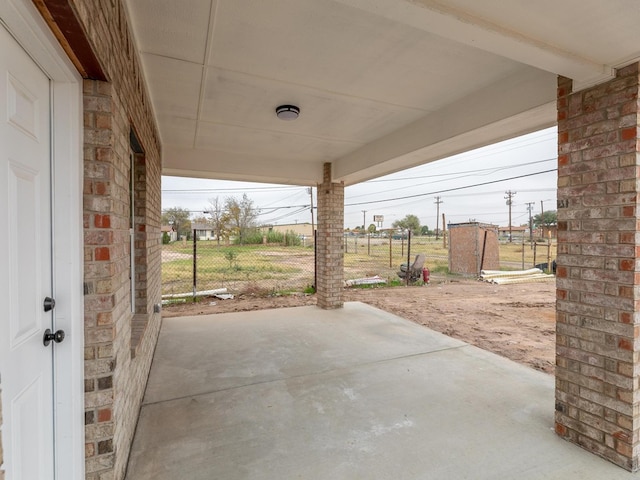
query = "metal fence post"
{"x": 408, "y": 277}
{"x": 195, "y": 279}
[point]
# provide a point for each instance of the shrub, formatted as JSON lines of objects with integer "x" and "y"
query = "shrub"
{"x": 291, "y": 239}
{"x": 255, "y": 237}
{"x": 275, "y": 237}
{"x": 251, "y": 237}
{"x": 232, "y": 257}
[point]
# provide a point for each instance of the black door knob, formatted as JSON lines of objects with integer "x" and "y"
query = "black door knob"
{"x": 49, "y": 304}
{"x": 50, "y": 336}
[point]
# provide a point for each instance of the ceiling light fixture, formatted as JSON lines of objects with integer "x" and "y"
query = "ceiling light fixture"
{"x": 287, "y": 112}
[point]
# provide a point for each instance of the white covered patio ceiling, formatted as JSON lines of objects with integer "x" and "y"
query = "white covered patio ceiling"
{"x": 382, "y": 85}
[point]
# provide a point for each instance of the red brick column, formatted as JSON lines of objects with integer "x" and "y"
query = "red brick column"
{"x": 598, "y": 279}
{"x": 329, "y": 252}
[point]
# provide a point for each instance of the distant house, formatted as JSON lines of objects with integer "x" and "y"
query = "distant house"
{"x": 515, "y": 232}
{"x": 203, "y": 231}
{"x": 298, "y": 228}
{"x": 168, "y": 229}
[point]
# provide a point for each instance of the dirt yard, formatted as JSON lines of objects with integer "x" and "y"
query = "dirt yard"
{"x": 516, "y": 321}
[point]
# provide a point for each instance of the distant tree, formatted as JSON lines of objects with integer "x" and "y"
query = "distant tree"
{"x": 372, "y": 228}
{"x": 424, "y": 230}
{"x": 242, "y": 215}
{"x": 219, "y": 218}
{"x": 550, "y": 218}
{"x": 410, "y": 222}
{"x": 201, "y": 219}
{"x": 179, "y": 219}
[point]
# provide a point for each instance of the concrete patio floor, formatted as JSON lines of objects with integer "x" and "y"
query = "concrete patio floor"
{"x": 355, "y": 393}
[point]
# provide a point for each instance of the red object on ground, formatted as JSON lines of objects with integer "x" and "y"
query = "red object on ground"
{"x": 425, "y": 275}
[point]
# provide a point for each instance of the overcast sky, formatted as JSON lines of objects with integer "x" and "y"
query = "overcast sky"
{"x": 471, "y": 186}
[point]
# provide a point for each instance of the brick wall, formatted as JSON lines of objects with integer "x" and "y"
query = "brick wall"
{"x": 467, "y": 246}
{"x": 118, "y": 344}
{"x": 598, "y": 277}
{"x": 114, "y": 381}
{"x": 329, "y": 250}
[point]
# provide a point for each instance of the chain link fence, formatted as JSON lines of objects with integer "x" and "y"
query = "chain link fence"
{"x": 198, "y": 267}
{"x": 382, "y": 254}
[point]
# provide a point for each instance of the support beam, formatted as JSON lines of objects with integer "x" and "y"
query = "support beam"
{"x": 481, "y": 31}
{"x": 519, "y": 104}
{"x": 233, "y": 166}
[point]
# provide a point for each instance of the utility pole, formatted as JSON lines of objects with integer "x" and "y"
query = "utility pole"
{"x": 444, "y": 233}
{"x": 364, "y": 220}
{"x": 313, "y": 227}
{"x": 437, "y": 202}
{"x": 542, "y": 216}
{"x": 530, "y": 208}
{"x": 509, "y": 198}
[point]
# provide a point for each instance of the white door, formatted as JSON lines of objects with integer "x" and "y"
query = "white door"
{"x": 26, "y": 365}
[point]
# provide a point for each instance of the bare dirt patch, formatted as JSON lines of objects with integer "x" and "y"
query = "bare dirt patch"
{"x": 516, "y": 321}
{"x": 168, "y": 256}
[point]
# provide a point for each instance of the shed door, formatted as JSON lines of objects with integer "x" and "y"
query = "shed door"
{"x": 26, "y": 365}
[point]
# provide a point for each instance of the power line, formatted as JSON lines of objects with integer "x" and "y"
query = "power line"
{"x": 450, "y": 189}
{"x": 222, "y": 190}
{"x": 492, "y": 169}
{"x": 497, "y": 149}
{"x": 261, "y": 211}
{"x": 288, "y": 214}
{"x": 474, "y": 173}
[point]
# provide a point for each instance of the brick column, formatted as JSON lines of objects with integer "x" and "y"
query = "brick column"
{"x": 329, "y": 256}
{"x": 598, "y": 277}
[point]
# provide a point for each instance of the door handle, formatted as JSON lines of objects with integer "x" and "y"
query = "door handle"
{"x": 49, "y": 337}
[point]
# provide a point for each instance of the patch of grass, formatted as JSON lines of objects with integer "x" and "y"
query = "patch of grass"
{"x": 271, "y": 268}
{"x": 515, "y": 252}
{"x": 442, "y": 269}
{"x": 391, "y": 282}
